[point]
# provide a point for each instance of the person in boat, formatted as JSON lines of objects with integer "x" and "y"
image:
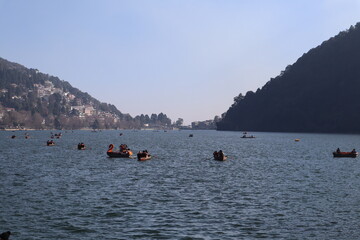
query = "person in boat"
{"x": 215, "y": 154}
{"x": 81, "y": 146}
{"x": 338, "y": 150}
{"x": 123, "y": 147}
{"x": 145, "y": 153}
{"x": 221, "y": 154}
{"x": 5, "y": 235}
{"x": 353, "y": 151}
{"x": 142, "y": 154}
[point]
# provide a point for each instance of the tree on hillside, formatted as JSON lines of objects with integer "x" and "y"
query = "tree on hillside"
{"x": 57, "y": 124}
{"x": 96, "y": 124}
{"x": 318, "y": 93}
{"x": 179, "y": 122}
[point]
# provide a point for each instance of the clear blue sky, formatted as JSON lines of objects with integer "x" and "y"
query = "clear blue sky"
{"x": 184, "y": 58}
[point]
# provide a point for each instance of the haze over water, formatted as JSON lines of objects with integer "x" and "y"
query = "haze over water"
{"x": 270, "y": 187}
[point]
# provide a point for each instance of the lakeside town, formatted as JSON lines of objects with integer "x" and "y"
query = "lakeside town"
{"x": 79, "y": 114}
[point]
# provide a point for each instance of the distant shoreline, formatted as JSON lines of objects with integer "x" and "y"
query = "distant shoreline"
{"x": 88, "y": 129}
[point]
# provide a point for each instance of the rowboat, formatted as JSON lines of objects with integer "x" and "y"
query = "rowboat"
{"x": 220, "y": 158}
{"x": 81, "y": 146}
{"x": 352, "y": 154}
{"x": 143, "y": 156}
{"x": 148, "y": 157}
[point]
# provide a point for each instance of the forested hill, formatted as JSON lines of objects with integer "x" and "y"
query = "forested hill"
{"x": 31, "y": 99}
{"x": 320, "y": 92}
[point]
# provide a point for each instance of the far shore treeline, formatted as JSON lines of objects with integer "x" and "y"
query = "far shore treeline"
{"x": 320, "y": 92}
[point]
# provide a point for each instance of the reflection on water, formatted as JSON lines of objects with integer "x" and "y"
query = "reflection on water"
{"x": 270, "y": 187}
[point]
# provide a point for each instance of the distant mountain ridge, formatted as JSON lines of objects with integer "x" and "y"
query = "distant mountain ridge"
{"x": 31, "y": 99}
{"x": 320, "y": 92}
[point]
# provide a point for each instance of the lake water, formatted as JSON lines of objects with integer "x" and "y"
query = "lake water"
{"x": 270, "y": 187}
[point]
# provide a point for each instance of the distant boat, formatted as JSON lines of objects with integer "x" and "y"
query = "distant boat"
{"x": 244, "y": 136}
{"x": 81, "y": 146}
{"x": 352, "y": 154}
{"x": 191, "y": 135}
{"x": 143, "y": 156}
{"x": 219, "y": 156}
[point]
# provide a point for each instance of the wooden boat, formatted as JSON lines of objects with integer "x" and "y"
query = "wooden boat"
{"x": 352, "y": 154}
{"x": 143, "y": 156}
{"x": 118, "y": 154}
{"x": 58, "y": 135}
{"x": 220, "y": 158}
{"x": 81, "y": 146}
{"x": 248, "y": 136}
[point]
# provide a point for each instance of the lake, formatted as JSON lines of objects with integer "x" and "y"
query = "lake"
{"x": 270, "y": 187}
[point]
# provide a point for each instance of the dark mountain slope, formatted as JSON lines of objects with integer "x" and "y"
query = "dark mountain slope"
{"x": 320, "y": 92}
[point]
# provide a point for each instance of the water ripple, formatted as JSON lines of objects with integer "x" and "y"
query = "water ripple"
{"x": 270, "y": 187}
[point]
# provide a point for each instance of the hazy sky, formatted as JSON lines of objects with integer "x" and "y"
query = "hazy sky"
{"x": 184, "y": 58}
